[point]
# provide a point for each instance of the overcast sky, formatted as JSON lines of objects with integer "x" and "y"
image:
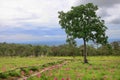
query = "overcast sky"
{"x": 37, "y": 20}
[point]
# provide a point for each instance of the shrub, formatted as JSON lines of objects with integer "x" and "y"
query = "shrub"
{"x": 26, "y": 70}
{"x": 14, "y": 73}
{"x": 4, "y": 75}
{"x": 34, "y": 68}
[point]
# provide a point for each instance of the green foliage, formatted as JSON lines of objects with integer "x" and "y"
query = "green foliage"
{"x": 14, "y": 73}
{"x": 61, "y": 50}
{"x": 43, "y": 77}
{"x": 4, "y": 75}
{"x": 34, "y": 68}
{"x": 82, "y": 22}
{"x": 33, "y": 78}
{"x": 25, "y": 70}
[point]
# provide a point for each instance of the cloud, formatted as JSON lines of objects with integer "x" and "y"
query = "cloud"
{"x": 31, "y": 19}
{"x": 109, "y": 10}
{"x": 24, "y": 20}
{"x": 17, "y": 13}
{"x": 101, "y": 3}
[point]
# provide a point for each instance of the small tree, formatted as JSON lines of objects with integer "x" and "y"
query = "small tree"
{"x": 70, "y": 40}
{"x": 82, "y": 22}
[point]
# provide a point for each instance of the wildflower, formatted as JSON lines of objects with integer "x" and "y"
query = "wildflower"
{"x": 31, "y": 72}
{"x": 67, "y": 78}
{"x": 50, "y": 74}
{"x": 38, "y": 75}
{"x": 24, "y": 79}
{"x": 3, "y": 69}
{"x": 55, "y": 78}
{"x": 22, "y": 73}
{"x": 67, "y": 69}
{"x": 63, "y": 79}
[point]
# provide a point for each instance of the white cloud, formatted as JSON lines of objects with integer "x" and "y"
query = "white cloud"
{"x": 31, "y": 14}
{"x": 15, "y": 13}
{"x": 114, "y": 14}
{"x": 100, "y": 3}
{"x": 109, "y": 10}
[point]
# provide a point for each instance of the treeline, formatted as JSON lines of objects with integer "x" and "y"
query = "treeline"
{"x": 61, "y": 50}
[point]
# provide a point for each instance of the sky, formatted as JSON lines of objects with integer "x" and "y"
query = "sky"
{"x": 37, "y": 20}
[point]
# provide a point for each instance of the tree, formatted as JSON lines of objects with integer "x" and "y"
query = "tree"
{"x": 72, "y": 43}
{"x": 116, "y": 47}
{"x": 82, "y": 22}
{"x": 105, "y": 50}
{"x": 37, "y": 50}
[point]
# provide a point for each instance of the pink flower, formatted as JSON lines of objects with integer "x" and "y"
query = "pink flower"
{"x": 3, "y": 68}
{"x": 55, "y": 78}
{"x": 30, "y": 71}
{"x": 50, "y": 74}
{"x": 24, "y": 79}
{"x": 63, "y": 79}
{"x": 38, "y": 75}
{"x": 67, "y": 78}
{"x": 67, "y": 69}
{"x": 22, "y": 73}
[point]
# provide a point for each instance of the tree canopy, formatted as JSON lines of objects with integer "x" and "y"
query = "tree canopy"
{"x": 82, "y": 22}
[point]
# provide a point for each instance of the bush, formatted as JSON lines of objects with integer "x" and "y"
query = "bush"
{"x": 34, "y": 68}
{"x": 14, "y": 73}
{"x": 4, "y": 75}
{"x": 26, "y": 70}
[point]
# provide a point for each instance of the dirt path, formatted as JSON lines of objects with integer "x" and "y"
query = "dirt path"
{"x": 43, "y": 70}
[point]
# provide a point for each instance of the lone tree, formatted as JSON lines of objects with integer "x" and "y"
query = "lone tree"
{"x": 82, "y": 22}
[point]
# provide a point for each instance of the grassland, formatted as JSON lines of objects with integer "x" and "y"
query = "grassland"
{"x": 10, "y": 63}
{"x": 99, "y": 68}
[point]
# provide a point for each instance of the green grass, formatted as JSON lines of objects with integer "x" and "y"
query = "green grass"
{"x": 10, "y": 63}
{"x": 99, "y": 68}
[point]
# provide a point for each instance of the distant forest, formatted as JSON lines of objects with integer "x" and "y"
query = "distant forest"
{"x": 24, "y": 50}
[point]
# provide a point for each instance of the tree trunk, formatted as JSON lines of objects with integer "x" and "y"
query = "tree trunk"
{"x": 85, "y": 52}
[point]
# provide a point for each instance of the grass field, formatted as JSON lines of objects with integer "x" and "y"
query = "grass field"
{"x": 99, "y": 68}
{"x": 9, "y": 63}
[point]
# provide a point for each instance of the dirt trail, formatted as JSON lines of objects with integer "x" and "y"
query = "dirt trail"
{"x": 43, "y": 70}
